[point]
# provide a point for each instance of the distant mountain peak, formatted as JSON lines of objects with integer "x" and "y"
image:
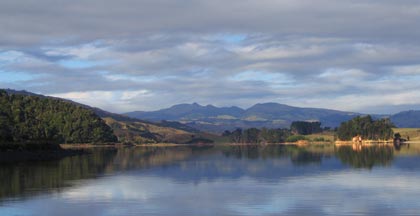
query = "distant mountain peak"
{"x": 271, "y": 104}
{"x": 270, "y": 114}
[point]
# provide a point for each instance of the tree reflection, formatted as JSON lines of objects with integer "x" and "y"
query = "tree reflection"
{"x": 190, "y": 163}
{"x": 365, "y": 156}
{"x": 297, "y": 154}
{"x": 306, "y": 157}
{"x": 27, "y": 179}
{"x": 146, "y": 157}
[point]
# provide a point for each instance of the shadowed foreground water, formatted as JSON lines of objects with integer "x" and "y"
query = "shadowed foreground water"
{"x": 222, "y": 180}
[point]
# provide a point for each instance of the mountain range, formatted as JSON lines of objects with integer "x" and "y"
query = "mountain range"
{"x": 407, "y": 119}
{"x": 270, "y": 115}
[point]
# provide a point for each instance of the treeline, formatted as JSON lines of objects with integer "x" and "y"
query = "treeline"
{"x": 279, "y": 135}
{"x": 367, "y": 128}
{"x": 32, "y": 119}
{"x": 254, "y": 135}
{"x": 305, "y": 128}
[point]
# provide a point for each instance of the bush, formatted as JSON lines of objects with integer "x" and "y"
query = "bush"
{"x": 295, "y": 138}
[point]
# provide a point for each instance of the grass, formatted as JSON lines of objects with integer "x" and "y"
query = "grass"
{"x": 142, "y": 133}
{"x": 326, "y": 136}
{"x": 295, "y": 138}
{"x": 413, "y": 133}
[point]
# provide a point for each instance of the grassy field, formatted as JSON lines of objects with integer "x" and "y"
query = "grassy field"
{"x": 141, "y": 133}
{"x": 326, "y": 136}
{"x": 412, "y": 133}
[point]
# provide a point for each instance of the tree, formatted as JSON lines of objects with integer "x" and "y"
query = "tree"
{"x": 46, "y": 120}
{"x": 254, "y": 135}
{"x": 236, "y": 135}
{"x": 251, "y": 135}
{"x": 367, "y": 128}
{"x": 305, "y": 128}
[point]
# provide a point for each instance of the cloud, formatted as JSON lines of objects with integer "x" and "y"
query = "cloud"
{"x": 153, "y": 54}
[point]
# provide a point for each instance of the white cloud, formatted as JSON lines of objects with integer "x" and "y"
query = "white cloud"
{"x": 84, "y": 51}
{"x": 111, "y": 100}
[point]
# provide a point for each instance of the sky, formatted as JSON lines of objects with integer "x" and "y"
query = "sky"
{"x": 126, "y": 55}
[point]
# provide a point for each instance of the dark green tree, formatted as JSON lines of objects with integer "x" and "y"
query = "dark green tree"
{"x": 367, "y": 128}
{"x": 254, "y": 135}
{"x": 36, "y": 119}
{"x": 251, "y": 135}
{"x": 305, "y": 128}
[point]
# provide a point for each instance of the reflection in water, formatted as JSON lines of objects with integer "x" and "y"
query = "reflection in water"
{"x": 219, "y": 180}
{"x": 298, "y": 155}
{"x": 366, "y": 156}
{"x": 31, "y": 178}
{"x": 27, "y": 179}
{"x": 146, "y": 157}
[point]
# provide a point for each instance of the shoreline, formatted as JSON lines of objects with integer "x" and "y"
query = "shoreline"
{"x": 372, "y": 142}
{"x": 37, "y": 155}
{"x": 67, "y": 150}
{"x": 235, "y": 144}
{"x": 90, "y": 145}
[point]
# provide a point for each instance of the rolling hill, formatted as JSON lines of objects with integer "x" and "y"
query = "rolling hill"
{"x": 407, "y": 119}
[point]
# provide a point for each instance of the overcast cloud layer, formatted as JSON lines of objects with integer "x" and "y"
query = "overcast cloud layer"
{"x": 126, "y": 55}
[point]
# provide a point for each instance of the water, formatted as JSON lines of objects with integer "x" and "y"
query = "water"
{"x": 221, "y": 180}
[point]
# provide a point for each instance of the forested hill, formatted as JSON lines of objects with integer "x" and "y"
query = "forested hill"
{"x": 101, "y": 113}
{"x": 105, "y": 114}
{"x": 33, "y": 119}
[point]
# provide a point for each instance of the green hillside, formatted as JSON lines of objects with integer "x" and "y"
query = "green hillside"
{"x": 143, "y": 133}
{"x": 140, "y": 132}
{"x": 41, "y": 120}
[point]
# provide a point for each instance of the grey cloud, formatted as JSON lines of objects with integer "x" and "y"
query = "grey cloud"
{"x": 35, "y": 21}
{"x": 176, "y": 52}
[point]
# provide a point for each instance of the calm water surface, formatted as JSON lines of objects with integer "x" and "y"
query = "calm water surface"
{"x": 221, "y": 180}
